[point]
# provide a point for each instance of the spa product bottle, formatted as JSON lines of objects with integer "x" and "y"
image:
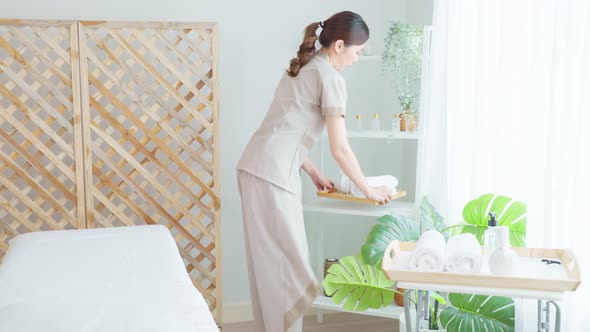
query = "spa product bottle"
{"x": 327, "y": 264}
{"x": 358, "y": 123}
{"x": 395, "y": 124}
{"x": 375, "y": 122}
{"x": 491, "y": 234}
{"x": 503, "y": 260}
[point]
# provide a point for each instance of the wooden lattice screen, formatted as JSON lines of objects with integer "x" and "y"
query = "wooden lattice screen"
{"x": 40, "y": 175}
{"x": 110, "y": 124}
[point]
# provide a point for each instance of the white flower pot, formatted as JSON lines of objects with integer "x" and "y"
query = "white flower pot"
{"x": 402, "y": 324}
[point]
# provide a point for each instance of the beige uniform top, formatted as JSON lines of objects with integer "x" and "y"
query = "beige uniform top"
{"x": 294, "y": 122}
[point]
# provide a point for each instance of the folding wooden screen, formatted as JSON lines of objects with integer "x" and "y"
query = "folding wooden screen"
{"x": 109, "y": 124}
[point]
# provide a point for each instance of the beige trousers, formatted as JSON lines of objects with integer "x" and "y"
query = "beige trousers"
{"x": 282, "y": 284}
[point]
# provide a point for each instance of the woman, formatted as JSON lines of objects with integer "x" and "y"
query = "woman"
{"x": 310, "y": 96}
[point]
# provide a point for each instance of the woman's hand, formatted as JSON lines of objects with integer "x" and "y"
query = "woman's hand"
{"x": 381, "y": 194}
{"x": 322, "y": 183}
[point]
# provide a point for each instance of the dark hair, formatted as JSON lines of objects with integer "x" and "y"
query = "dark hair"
{"x": 348, "y": 26}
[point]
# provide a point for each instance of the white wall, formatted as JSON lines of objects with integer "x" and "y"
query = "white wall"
{"x": 257, "y": 38}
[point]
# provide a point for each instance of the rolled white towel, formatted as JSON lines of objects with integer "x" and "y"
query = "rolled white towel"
{"x": 345, "y": 185}
{"x": 463, "y": 254}
{"x": 429, "y": 255}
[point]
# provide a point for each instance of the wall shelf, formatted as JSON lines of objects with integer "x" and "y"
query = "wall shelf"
{"x": 326, "y": 205}
{"x": 390, "y": 311}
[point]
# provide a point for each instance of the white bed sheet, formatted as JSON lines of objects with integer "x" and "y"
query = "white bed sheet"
{"x": 122, "y": 279}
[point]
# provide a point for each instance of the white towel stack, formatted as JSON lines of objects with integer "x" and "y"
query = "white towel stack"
{"x": 429, "y": 255}
{"x": 345, "y": 185}
{"x": 463, "y": 254}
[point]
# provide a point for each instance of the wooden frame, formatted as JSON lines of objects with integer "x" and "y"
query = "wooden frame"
{"x": 350, "y": 198}
{"x": 142, "y": 127}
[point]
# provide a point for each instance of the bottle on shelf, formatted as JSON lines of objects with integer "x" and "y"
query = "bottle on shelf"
{"x": 395, "y": 124}
{"x": 328, "y": 262}
{"x": 375, "y": 126}
{"x": 403, "y": 117}
{"x": 411, "y": 123}
{"x": 358, "y": 123}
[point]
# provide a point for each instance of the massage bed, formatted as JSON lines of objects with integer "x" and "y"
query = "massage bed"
{"x": 109, "y": 280}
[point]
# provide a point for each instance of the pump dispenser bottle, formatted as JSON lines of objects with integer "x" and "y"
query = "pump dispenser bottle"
{"x": 490, "y": 237}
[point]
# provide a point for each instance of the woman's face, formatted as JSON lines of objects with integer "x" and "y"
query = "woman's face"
{"x": 345, "y": 56}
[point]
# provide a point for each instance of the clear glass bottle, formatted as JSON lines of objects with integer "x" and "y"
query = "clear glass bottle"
{"x": 411, "y": 123}
{"x": 395, "y": 124}
{"x": 375, "y": 125}
{"x": 358, "y": 123}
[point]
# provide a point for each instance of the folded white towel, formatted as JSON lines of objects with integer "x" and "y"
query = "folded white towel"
{"x": 463, "y": 254}
{"x": 345, "y": 185}
{"x": 429, "y": 255}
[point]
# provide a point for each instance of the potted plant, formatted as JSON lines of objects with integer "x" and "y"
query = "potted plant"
{"x": 402, "y": 55}
{"x": 360, "y": 284}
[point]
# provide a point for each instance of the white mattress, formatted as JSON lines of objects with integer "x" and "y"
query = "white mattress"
{"x": 109, "y": 280}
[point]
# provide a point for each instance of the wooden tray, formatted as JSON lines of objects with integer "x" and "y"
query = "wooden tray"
{"x": 350, "y": 198}
{"x": 567, "y": 258}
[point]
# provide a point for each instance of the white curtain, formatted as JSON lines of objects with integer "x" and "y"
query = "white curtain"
{"x": 507, "y": 113}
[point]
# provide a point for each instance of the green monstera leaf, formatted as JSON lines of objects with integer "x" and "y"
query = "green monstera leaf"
{"x": 359, "y": 285}
{"x": 389, "y": 227}
{"x": 509, "y": 213}
{"x": 431, "y": 219}
{"x": 473, "y": 313}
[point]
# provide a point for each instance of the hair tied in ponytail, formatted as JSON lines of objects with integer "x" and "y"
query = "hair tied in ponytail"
{"x": 347, "y": 26}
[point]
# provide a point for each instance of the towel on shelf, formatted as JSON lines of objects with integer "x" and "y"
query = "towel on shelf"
{"x": 429, "y": 255}
{"x": 463, "y": 254}
{"x": 345, "y": 185}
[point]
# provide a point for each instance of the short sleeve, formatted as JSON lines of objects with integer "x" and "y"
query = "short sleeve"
{"x": 333, "y": 98}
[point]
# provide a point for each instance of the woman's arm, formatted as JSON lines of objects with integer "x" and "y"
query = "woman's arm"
{"x": 348, "y": 162}
{"x": 320, "y": 181}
